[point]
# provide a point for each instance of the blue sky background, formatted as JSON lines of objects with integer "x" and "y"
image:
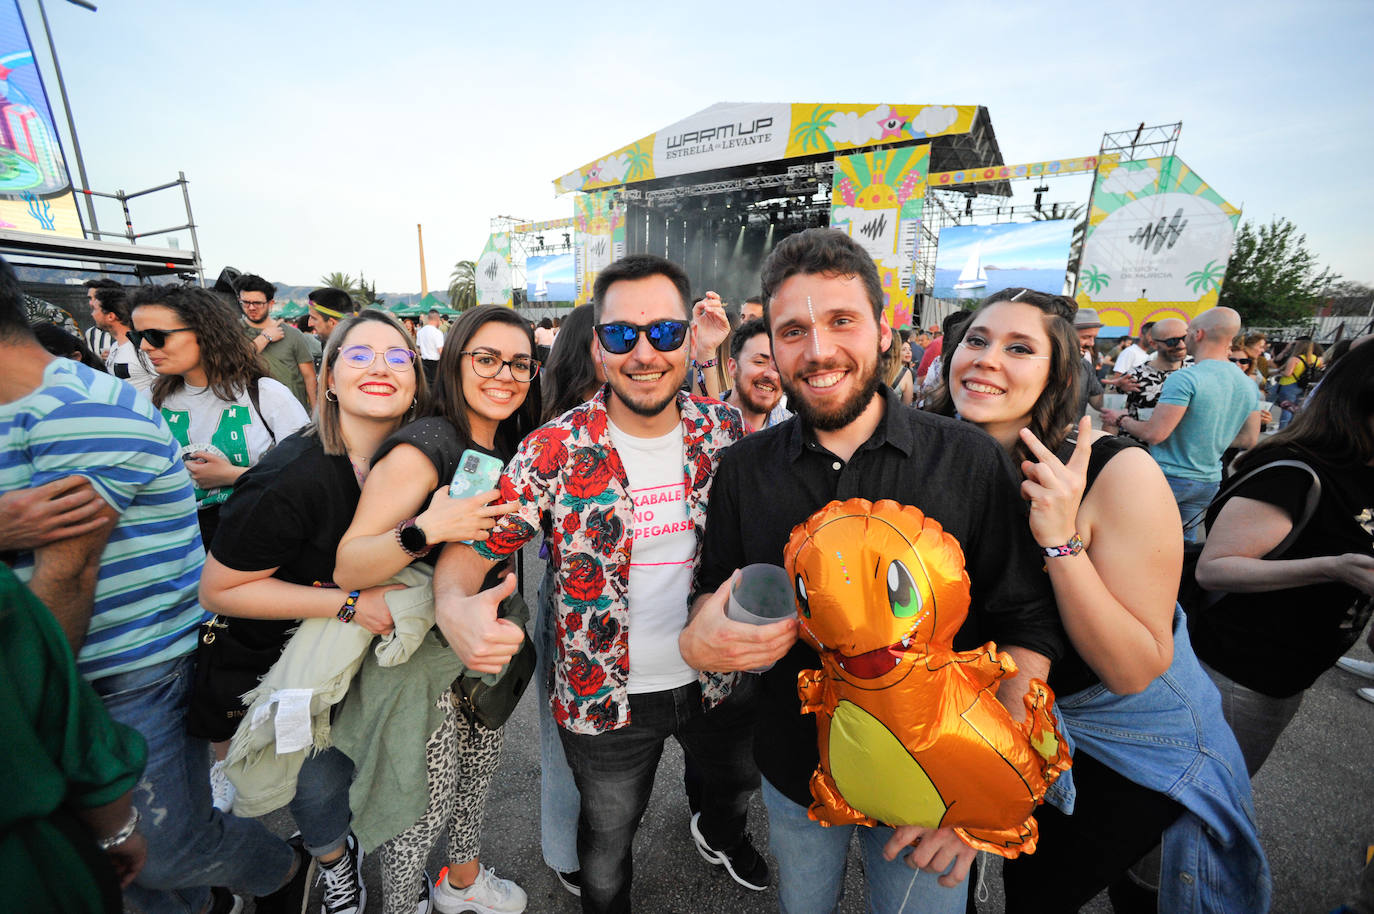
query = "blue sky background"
{"x": 317, "y": 134}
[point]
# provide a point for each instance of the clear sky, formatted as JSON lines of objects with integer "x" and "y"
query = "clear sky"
{"x": 317, "y": 134}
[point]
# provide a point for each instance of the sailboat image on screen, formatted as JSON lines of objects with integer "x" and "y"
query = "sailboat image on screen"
{"x": 972, "y": 275}
{"x": 541, "y": 285}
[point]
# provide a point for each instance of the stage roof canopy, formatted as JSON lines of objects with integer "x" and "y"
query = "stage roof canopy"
{"x": 729, "y": 135}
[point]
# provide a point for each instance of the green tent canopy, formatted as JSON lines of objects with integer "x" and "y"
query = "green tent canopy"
{"x": 290, "y": 311}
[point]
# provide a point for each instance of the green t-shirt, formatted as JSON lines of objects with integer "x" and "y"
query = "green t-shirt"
{"x": 67, "y": 753}
{"x": 283, "y": 359}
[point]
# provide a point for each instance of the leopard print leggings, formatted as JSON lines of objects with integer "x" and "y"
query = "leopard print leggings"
{"x": 460, "y": 759}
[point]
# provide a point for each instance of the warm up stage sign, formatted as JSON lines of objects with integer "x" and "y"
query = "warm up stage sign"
{"x": 730, "y": 134}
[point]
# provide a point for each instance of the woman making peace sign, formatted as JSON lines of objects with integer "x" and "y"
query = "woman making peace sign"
{"x": 1153, "y": 755}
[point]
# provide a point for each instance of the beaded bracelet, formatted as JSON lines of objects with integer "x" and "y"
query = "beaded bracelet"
{"x": 1072, "y": 547}
{"x": 349, "y": 608}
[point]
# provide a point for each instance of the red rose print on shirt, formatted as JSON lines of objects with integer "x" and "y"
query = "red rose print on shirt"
{"x": 588, "y": 474}
{"x": 584, "y": 676}
{"x": 583, "y": 579}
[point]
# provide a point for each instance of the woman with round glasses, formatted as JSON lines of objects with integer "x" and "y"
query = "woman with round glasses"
{"x": 272, "y": 561}
{"x": 486, "y": 399}
{"x": 1153, "y": 755}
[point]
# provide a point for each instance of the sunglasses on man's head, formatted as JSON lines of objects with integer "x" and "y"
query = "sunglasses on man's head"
{"x": 156, "y": 338}
{"x": 619, "y": 337}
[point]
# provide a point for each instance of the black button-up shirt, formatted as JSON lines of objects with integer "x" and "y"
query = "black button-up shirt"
{"x": 955, "y": 473}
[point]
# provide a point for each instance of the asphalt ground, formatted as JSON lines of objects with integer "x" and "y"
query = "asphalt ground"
{"x": 1314, "y": 799}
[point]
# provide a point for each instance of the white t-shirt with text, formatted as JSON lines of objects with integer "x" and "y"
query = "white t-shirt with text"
{"x": 660, "y": 560}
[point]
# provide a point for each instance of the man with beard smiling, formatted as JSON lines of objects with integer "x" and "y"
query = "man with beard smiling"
{"x": 621, "y": 483}
{"x": 756, "y": 393}
{"x": 852, "y": 438}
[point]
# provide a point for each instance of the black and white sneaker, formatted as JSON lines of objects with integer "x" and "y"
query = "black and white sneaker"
{"x": 744, "y": 864}
{"x": 344, "y": 892}
{"x": 570, "y": 881}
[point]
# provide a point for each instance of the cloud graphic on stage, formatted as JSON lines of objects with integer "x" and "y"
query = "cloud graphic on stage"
{"x": 1128, "y": 181}
{"x": 933, "y": 120}
{"x": 610, "y": 170}
{"x": 858, "y": 129}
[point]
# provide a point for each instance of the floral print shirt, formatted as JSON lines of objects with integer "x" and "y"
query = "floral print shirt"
{"x": 568, "y": 474}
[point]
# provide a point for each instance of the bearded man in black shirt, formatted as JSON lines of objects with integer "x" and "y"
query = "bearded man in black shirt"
{"x": 852, "y": 438}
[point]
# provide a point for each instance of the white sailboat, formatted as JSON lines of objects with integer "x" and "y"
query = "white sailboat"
{"x": 972, "y": 275}
{"x": 541, "y": 285}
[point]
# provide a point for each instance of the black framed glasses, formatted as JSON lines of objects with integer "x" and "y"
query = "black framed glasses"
{"x": 489, "y": 365}
{"x": 1171, "y": 341}
{"x": 361, "y": 357}
{"x": 619, "y": 337}
{"x": 156, "y": 338}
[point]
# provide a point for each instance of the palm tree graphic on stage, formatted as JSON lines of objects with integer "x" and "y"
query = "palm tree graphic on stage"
{"x": 1094, "y": 280}
{"x": 639, "y": 160}
{"x": 812, "y": 133}
{"x": 1206, "y": 279}
{"x": 462, "y": 285}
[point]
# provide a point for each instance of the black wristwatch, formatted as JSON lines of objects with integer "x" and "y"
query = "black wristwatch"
{"x": 412, "y": 539}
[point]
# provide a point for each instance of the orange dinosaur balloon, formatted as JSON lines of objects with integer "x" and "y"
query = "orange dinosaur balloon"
{"x": 911, "y": 732}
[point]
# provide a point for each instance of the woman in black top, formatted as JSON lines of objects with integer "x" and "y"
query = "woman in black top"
{"x": 485, "y": 399}
{"x": 1102, "y": 512}
{"x": 1284, "y": 620}
{"x": 272, "y": 560}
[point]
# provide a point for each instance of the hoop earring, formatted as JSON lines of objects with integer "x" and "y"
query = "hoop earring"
{"x": 330, "y": 395}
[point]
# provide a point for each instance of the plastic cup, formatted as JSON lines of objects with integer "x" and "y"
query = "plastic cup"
{"x": 761, "y": 595}
{"x": 1114, "y": 401}
{"x": 1144, "y": 413}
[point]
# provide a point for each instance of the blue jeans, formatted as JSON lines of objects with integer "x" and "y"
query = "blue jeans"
{"x": 320, "y": 806}
{"x": 1193, "y": 497}
{"x": 558, "y": 796}
{"x": 1291, "y": 393}
{"x": 811, "y": 860}
{"x": 614, "y": 771}
{"x": 191, "y": 845}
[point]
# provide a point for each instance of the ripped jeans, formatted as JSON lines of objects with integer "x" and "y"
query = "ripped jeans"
{"x": 191, "y": 845}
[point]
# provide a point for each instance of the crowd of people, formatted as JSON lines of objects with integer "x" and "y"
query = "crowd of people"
{"x": 252, "y": 566}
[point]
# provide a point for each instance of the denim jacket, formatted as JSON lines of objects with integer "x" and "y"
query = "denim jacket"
{"x": 1172, "y": 738}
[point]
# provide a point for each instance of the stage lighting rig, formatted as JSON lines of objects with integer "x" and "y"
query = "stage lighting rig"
{"x": 1040, "y": 191}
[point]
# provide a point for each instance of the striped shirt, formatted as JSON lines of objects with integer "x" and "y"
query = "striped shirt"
{"x": 81, "y": 422}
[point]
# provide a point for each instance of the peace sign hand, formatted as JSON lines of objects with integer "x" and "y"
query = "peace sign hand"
{"x": 1055, "y": 489}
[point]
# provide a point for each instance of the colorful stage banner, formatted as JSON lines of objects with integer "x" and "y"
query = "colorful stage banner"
{"x": 877, "y": 199}
{"x": 1050, "y": 168}
{"x": 493, "y": 272}
{"x": 727, "y": 134}
{"x": 1157, "y": 243}
{"x": 600, "y": 238}
{"x": 35, "y": 188}
{"x": 535, "y": 227}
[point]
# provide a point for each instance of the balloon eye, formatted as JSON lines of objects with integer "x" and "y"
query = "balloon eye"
{"x": 902, "y": 594}
{"x": 801, "y": 597}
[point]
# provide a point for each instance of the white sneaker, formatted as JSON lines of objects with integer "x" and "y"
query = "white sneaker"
{"x": 1366, "y": 694}
{"x": 488, "y": 895}
{"x": 1363, "y": 668}
{"x": 221, "y": 790}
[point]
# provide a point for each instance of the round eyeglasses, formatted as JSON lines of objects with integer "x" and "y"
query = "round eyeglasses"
{"x": 361, "y": 357}
{"x": 489, "y": 365}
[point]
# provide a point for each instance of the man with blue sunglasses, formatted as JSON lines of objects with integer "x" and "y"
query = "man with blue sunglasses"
{"x": 622, "y": 484}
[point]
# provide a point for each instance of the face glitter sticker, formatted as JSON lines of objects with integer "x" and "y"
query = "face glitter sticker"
{"x": 815, "y": 330}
